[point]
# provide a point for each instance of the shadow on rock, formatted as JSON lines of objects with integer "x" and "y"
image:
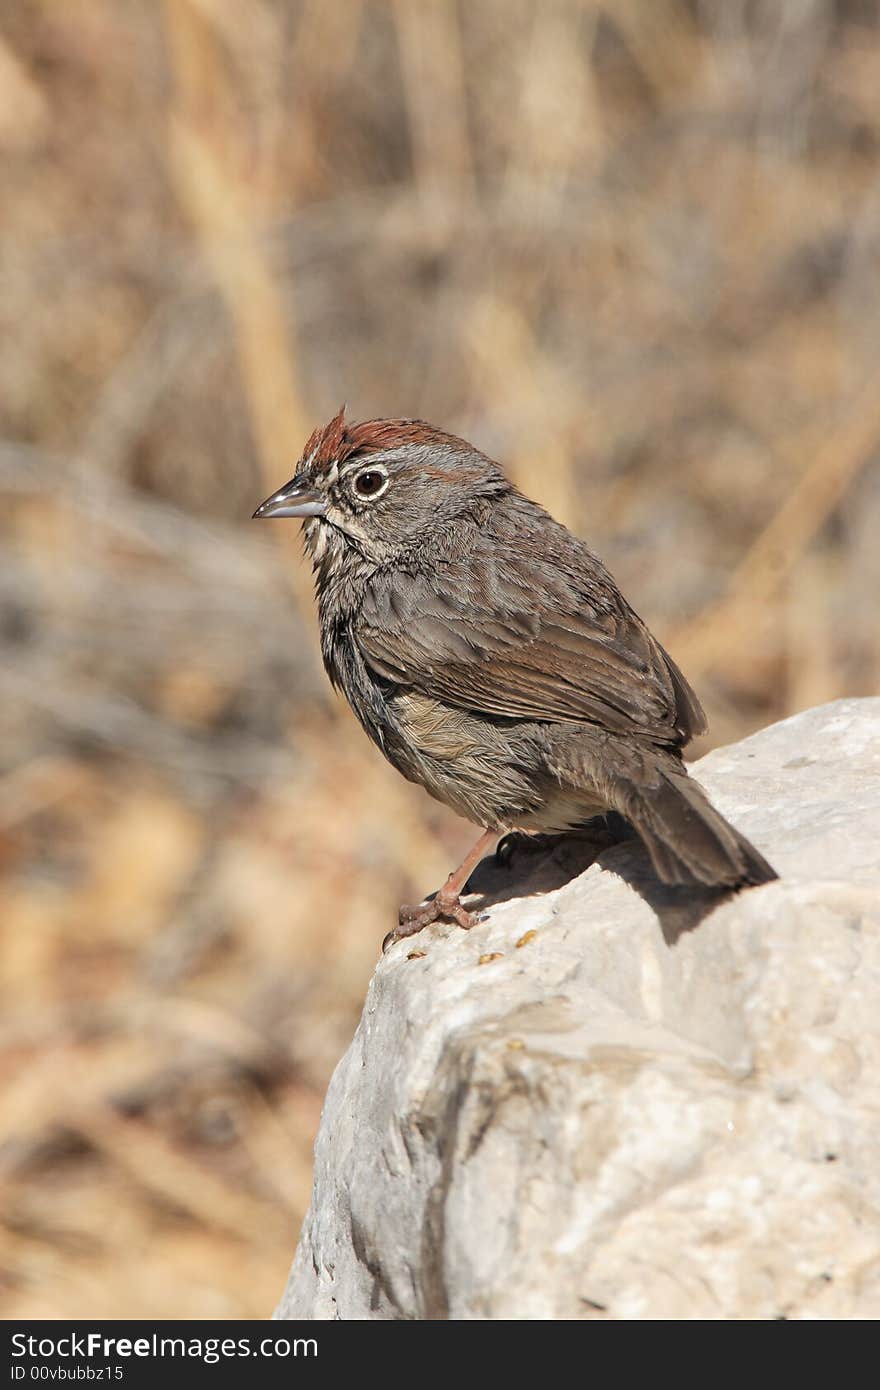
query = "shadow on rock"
{"x": 539, "y": 864}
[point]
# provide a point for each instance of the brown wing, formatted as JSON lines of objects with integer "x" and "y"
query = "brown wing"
{"x": 509, "y": 632}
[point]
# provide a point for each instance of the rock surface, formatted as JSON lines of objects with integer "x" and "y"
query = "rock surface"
{"x": 609, "y": 1101}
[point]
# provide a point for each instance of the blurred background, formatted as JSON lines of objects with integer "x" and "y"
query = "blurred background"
{"x": 631, "y": 249}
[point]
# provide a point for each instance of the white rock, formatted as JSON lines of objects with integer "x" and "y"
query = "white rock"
{"x": 624, "y": 1117}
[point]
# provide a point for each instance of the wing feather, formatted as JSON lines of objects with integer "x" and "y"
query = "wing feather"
{"x": 507, "y": 632}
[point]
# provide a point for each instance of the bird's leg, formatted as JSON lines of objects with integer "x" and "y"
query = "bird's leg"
{"x": 446, "y": 903}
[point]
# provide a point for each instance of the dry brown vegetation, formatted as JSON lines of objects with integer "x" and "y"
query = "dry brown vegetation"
{"x": 631, "y": 248}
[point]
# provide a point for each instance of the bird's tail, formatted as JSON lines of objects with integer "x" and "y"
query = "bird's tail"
{"x": 687, "y": 839}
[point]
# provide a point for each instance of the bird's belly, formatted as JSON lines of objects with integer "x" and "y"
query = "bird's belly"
{"x": 561, "y": 808}
{"x": 460, "y": 759}
{"x": 492, "y": 772}
{"x": 499, "y": 773}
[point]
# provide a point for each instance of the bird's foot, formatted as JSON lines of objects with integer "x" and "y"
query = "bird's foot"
{"x": 521, "y": 842}
{"x": 442, "y": 907}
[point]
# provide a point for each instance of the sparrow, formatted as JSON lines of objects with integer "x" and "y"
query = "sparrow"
{"x": 491, "y": 657}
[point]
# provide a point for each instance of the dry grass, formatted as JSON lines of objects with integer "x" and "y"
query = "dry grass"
{"x": 631, "y": 248}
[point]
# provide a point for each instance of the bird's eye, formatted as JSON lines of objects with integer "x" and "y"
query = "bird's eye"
{"x": 371, "y": 482}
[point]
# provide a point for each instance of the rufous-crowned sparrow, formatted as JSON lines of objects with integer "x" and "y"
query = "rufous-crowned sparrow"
{"x": 492, "y": 658}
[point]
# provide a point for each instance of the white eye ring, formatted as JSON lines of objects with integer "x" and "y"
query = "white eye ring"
{"x": 372, "y": 471}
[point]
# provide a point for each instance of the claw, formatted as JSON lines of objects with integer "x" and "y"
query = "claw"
{"x": 414, "y": 919}
{"x": 445, "y": 904}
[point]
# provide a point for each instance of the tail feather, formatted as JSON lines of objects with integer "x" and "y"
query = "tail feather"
{"x": 688, "y": 840}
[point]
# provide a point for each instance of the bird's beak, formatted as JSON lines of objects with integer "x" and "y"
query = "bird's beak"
{"x": 296, "y": 498}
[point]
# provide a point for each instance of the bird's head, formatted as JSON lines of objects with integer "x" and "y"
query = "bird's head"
{"x": 378, "y": 488}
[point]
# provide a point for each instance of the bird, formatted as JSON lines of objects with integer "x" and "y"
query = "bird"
{"x": 491, "y": 657}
